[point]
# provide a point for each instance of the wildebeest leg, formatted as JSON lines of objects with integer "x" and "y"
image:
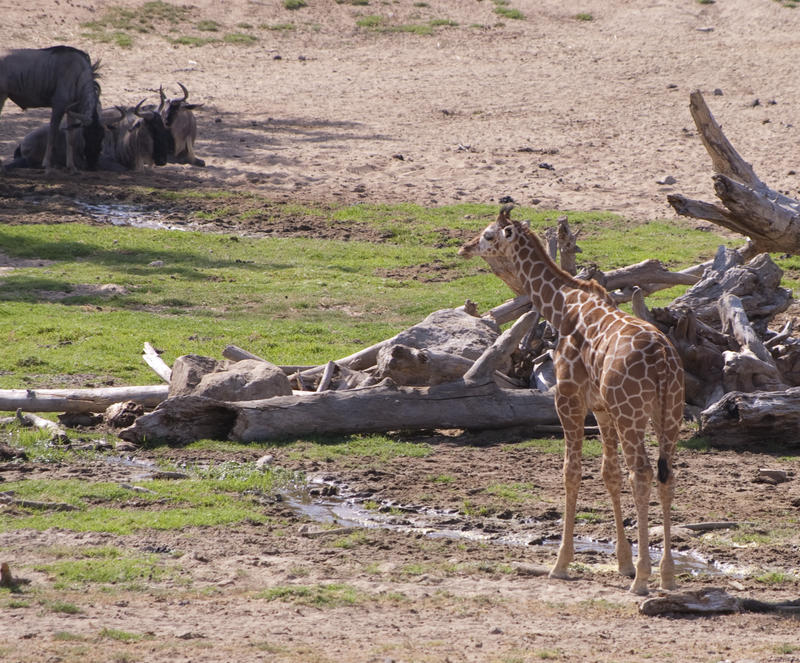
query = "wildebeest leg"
{"x": 2, "y": 101}
{"x": 193, "y": 158}
{"x": 52, "y": 136}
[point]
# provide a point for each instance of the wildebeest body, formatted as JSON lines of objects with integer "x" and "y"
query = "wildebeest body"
{"x": 64, "y": 79}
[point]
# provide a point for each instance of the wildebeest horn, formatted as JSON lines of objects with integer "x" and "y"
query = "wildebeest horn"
{"x": 163, "y": 97}
{"x": 138, "y": 106}
{"x": 185, "y": 91}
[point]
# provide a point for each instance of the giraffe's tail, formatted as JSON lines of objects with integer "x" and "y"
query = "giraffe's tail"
{"x": 669, "y": 412}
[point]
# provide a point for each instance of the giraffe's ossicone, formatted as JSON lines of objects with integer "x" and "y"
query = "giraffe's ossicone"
{"x": 621, "y": 368}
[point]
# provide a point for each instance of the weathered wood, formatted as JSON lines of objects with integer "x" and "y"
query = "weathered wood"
{"x": 79, "y": 400}
{"x": 757, "y": 283}
{"x": 185, "y": 419}
{"x": 484, "y": 368}
{"x": 387, "y": 407}
{"x": 752, "y": 368}
{"x": 235, "y": 353}
{"x": 380, "y": 408}
{"x": 710, "y": 601}
{"x": 510, "y": 310}
{"x": 154, "y": 361}
{"x": 57, "y": 433}
{"x": 417, "y": 367}
{"x": 770, "y": 219}
{"x": 567, "y": 245}
{"x": 753, "y": 420}
{"x": 327, "y": 375}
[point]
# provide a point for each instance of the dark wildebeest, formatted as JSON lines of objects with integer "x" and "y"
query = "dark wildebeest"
{"x": 133, "y": 138}
{"x": 64, "y": 79}
{"x": 179, "y": 119}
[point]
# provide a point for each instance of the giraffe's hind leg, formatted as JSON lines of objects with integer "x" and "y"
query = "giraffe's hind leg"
{"x": 612, "y": 477}
{"x": 641, "y": 479}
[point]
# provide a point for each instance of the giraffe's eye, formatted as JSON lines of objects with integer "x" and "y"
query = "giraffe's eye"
{"x": 488, "y": 235}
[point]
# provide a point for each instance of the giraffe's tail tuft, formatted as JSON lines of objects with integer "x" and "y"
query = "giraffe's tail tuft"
{"x": 663, "y": 470}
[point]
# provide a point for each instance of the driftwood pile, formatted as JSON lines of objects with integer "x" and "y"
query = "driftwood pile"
{"x": 456, "y": 370}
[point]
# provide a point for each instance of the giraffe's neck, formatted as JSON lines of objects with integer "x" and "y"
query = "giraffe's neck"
{"x": 545, "y": 282}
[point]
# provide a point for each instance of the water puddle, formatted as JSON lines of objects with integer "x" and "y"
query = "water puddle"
{"x": 328, "y": 504}
{"x": 124, "y": 214}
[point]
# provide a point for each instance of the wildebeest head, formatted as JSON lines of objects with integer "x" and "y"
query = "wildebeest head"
{"x": 163, "y": 143}
{"x": 93, "y": 132}
{"x": 169, "y": 108}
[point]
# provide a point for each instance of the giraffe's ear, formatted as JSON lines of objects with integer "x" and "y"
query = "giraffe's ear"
{"x": 508, "y": 232}
{"x": 525, "y": 224}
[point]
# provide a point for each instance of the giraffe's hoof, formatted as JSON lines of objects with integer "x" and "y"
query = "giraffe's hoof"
{"x": 628, "y": 571}
{"x": 639, "y": 589}
{"x": 557, "y": 574}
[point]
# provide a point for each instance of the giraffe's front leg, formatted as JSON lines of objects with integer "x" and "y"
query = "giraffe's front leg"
{"x": 572, "y": 414}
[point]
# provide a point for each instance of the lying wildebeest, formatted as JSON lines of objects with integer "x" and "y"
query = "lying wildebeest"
{"x": 133, "y": 138}
{"x": 64, "y": 79}
{"x": 142, "y": 139}
{"x": 179, "y": 119}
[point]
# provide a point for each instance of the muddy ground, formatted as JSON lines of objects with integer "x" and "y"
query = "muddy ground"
{"x": 557, "y": 113}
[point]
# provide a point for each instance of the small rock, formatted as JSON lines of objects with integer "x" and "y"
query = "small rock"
{"x": 717, "y": 92}
{"x": 264, "y": 461}
{"x": 669, "y": 179}
{"x": 156, "y": 263}
{"x": 546, "y": 166}
{"x": 125, "y": 445}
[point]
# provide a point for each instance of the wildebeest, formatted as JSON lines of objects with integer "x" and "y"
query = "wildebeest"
{"x": 133, "y": 138}
{"x": 142, "y": 139}
{"x": 180, "y": 120}
{"x": 64, "y": 79}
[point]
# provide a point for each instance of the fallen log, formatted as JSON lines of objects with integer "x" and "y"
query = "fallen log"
{"x": 79, "y": 400}
{"x": 476, "y": 402}
{"x": 380, "y": 408}
{"x": 711, "y": 601}
{"x": 154, "y": 361}
{"x": 752, "y": 421}
{"x": 387, "y": 407}
{"x": 57, "y": 434}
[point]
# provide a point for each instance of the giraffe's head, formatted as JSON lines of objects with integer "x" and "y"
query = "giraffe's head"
{"x": 496, "y": 238}
{"x": 492, "y": 245}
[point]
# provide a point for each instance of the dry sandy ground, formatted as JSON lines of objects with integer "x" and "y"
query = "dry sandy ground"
{"x": 325, "y": 111}
{"x": 475, "y": 112}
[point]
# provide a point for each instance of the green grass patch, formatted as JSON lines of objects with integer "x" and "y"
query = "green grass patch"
{"x": 126, "y": 572}
{"x": 378, "y": 447}
{"x": 278, "y": 26}
{"x": 592, "y": 447}
{"x": 320, "y": 596}
{"x": 208, "y": 26}
{"x": 119, "y": 25}
{"x": 121, "y": 636}
{"x": 240, "y": 38}
{"x": 221, "y": 495}
{"x": 514, "y": 493}
{"x": 294, "y": 4}
{"x": 584, "y": 16}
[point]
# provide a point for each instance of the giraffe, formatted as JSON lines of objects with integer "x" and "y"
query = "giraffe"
{"x": 622, "y": 368}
